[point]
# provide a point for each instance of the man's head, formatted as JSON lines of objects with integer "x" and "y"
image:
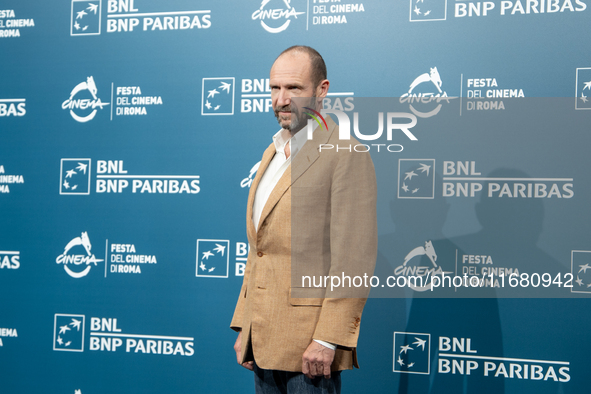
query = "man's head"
{"x": 299, "y": 71}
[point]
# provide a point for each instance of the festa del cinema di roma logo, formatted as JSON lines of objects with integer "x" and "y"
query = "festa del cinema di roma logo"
{"x": 279, "y": 17}
{"x": 75, "y": 260}
{"x": 426, "y": 94}
{"x": 83, "y": 102}
{"x": 425, "y": 272}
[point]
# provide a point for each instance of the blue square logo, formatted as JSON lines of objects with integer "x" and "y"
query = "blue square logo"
{"x": 428, "y": 10}
{"x": 217, "y": 96}
{"x": 412, "y": 352}
{"x": 581, "y": 270}
{"x": 75, "y": 176}
{"x": 583, "y": 88}
{"x": 416, "y": 178}
{"x": 68, "y": 333}
{"x": 86, "y": 18}
{"x": 213, "y": 259}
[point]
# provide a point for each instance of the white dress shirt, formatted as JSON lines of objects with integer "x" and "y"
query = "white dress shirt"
{"x": 276, "y": 169}
{"x": 273, "y": 173}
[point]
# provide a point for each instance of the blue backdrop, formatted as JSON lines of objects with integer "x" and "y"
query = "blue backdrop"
{"x": 129, "y": 131}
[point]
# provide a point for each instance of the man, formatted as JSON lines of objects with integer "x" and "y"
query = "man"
{"x": 310, "y": 212}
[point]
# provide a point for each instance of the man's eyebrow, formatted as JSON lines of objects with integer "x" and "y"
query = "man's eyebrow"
{"x": 295, "y": 85}
{"x": 288, "y": 85}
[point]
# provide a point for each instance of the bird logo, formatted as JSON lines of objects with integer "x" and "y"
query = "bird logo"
{"x": 85, "y": 17}
{"x": 212, "y": 257}
{"x": 411, "y": 352}
{"x": 75, "y": 176}
{"x": 416, "y": 178}
{"x": 427, "y": 10}
{"x": 218, "y": 96}
{"x": 581, "y": 270}
{"x": 68, "y": 332}
{"x": 587, "y": 85}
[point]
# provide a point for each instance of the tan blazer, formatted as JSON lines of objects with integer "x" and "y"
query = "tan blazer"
{"x": 322, "y": 214}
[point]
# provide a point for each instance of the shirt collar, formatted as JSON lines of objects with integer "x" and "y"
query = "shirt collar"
{"x": 296, "y": 143}
{"x": 280, "y": 139}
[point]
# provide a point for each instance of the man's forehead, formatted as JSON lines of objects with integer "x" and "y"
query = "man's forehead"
{"x": 292, "y": 63}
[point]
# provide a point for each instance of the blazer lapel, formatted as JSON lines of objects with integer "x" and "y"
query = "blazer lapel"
{"x": 309, "y": 153}
{"x": 302, "y": 161}
{"x": 267, "y": 157}
{"x": 276, "y": 194}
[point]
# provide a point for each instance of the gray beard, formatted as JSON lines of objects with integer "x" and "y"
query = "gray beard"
{"x": 298, "y": 119}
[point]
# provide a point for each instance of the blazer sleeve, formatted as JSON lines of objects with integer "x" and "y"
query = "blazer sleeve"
{"x": 353, "y": 247}
{"x": 237, "y": 319}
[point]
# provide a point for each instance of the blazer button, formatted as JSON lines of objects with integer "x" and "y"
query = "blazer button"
{"x": 260, "y": 254}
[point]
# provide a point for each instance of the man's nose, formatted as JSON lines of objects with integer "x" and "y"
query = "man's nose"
{"x": 284, "y": 98}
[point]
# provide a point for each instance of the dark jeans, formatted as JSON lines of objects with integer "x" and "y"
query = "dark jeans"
{"x": 268, "y": 381}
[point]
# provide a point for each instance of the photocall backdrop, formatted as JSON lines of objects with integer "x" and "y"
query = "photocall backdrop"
{"x": 131, "y": 130}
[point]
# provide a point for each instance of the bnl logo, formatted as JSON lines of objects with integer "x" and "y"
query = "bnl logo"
{"x": 428, "y": 10}
{"x": 217, "y": 96}
{"x": 86, "y": 18}
{"x": 581, "y": 270}
{"x": 416, "y": 178}
{"x": 412, "y": 352}
{"x": 213, "y": 259}
{"x": 68, "y": 333}
{"x": 75, "y": 176}
{"x": 583, "y": 88}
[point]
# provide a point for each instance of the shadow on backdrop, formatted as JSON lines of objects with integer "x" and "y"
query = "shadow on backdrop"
{"x": 418, "y": 226}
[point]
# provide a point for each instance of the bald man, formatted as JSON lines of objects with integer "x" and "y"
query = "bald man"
{"x": 313, "y": 212}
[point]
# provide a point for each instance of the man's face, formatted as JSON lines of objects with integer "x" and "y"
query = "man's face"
{"x": 291, "y": 76}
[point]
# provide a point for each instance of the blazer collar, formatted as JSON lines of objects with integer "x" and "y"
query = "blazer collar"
{"x": 300, "y": 164}
{"x": 310, "y": 151}
{"x": 267, "y": 156}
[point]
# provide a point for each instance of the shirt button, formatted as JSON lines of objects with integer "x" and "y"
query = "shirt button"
{"x": 260, "y": 254}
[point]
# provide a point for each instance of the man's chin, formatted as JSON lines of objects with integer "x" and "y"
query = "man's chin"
{"x": 289, "y": 124}
{"x": 285, "y": 123}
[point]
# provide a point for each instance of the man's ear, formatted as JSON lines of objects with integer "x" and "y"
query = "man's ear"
{"x": 322, "y": 88}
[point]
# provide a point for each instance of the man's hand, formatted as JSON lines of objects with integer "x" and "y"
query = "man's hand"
{"x": 317, "y": 360}
{"x": 238, "y": 349}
